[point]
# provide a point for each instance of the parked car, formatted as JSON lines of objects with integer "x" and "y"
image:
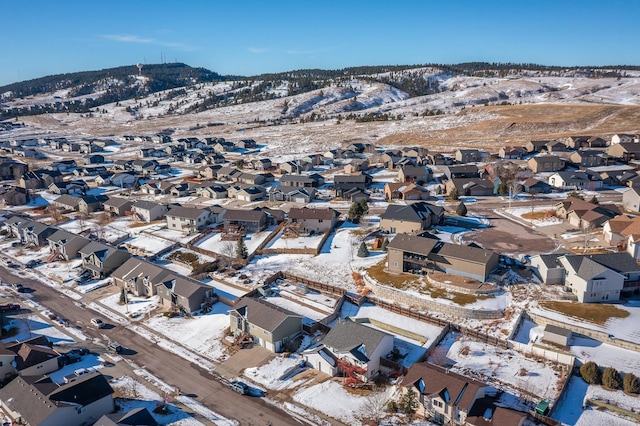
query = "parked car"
{"x": 18, "y": 287}
{"x": 97, "y": 322}
{"x": 10, "y": 307}
{"x": 114, "y": 347}
{"x": 32, "y": 263}
{"x": 240, "y": 387}
{"x": 76, "y": 375}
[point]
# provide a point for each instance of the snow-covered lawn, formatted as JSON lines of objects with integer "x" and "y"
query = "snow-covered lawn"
{"x": 547, "y": 221}
{"x": 33, "y": 325}
{"x": 91, "y": 362}
{"x": 147, "y": 244}
{"x": 136, "y": 306}
{"x": 202, "y": 333}
{"x": 298, "y": 243}
{"x": 269, "y": 374}
{"x": 332, "y": 399}
{"x": 133, "y": 394}
{"x": 505, "y": 368}
{"x": 213, "y": 242}
{"x": 622, "y": 328}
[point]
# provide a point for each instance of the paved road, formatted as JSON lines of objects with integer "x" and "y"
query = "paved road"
{"x": 170, "y": 368}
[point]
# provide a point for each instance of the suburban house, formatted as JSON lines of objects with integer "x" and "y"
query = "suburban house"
{"x": 357, "y": 165}
{"x": 65, "y": 245}
{"x": 292, "y": 193}
{"x": 575, "y": 180}
{"x": 246, "y": 192}
{"x": 212, "y": 190}
{"x": 13, "y": 196}
{"x": 74, "y": 187}
{"x": 183, "y": 293}
{"x": 66, "y": 202}
{"x": 412, "y": 253}
{"x": 589, "y": 158}
{"x": 352, "y": 350}
{"x": 624, "y": 152}
{"x": 100, "y": 259}
{"x": 555, "y": 146}
{"x": 584, "y": 214}
{"x": 623, "y": 232}
{"x": 624, "y": 138}
{"x": 344, "y": 183}
{"x": 313, "y": 180}
{"x": 535, "y": 186}
{"x": 137, "y": 416}
{"x": 139, "y": 276}
{"x": 244, "y": 220}
{"x": 467, "y": 155}
{"x": 415, "y": 174}
{"x": 405, "y": 191}
{"x": 271, "y": 327}
{"x": 187, "y": 219}
{"x": 600, "y": 277}
{"x": 32, "y": 357}
{"x": 295, "y": 167}
{"x": 91, "y": 203}
{"x": 448, "y": 398}
{"x": 545, "y": 163}
{"x": 314, "y": 220}
{"x": 117, "y": 206}
{"x": 512, "y": 152}
{"x": 471, "y": 187}
{"x": 36, "y": 233}
{"x": 411, "y": 218}
{"x": 11, "y": 169}
{"x": 536, "y": 146}
{"x": 15, "y": 224}
{"x": 148, "y": 211}
{"x": 461, "y": 171}
{"x": 631, "y": 200}
{"x": 547, "y": 268}
{"x": 40, "y": 401}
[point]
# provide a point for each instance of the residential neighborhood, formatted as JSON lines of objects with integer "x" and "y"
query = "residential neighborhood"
{"x": 160, "y": 278}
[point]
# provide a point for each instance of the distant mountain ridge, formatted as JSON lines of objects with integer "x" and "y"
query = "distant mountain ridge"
{"x": 362, "y": 93}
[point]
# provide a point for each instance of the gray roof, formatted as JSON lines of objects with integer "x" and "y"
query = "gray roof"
{"x": 584, "y": 267}
{"x": 244, "y": 215}
{"x": 135, "y": 268}
{"x": 350, "y": 336}
{"x": 144, "y": 205}
{"x": 413, "y": 244}
{"x": 557, "y": 330}
{"x": 31, "y": 403}
{"x": 467, "y": 253}
{"x": 183, "y": 286}
{"x": 186, "y": 212}
{"x": 63, "y": 236}
{"x": 262, "y": 313}
{"x": 413, "y": 212}
{"x": 307, "y": 213}
{"x": 621, "y": 262}
{"x": 67, "y": 200}
{"x": 549, "y": 260}
{"x": 117, "y": 202}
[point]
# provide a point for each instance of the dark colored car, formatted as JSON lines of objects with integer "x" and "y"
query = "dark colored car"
{"x": 10, "y": 307}
{"x": 18, "y": 287}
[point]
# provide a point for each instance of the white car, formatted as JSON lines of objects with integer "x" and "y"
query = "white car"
{"x": 98, "y": 322}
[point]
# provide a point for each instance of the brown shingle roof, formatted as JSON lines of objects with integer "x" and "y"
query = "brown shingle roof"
{"x": 306, "y": 213}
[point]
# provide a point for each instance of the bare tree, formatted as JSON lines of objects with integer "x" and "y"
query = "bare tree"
{"x": 376, "y": 405}
{"x": 228, "y": 253}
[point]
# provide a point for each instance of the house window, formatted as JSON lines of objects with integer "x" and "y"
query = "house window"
{"x": 437, "y": 403}
{"x": 319, "y": 220}
{"x": 395, "y": 264}
{"x": 182, "y": 219}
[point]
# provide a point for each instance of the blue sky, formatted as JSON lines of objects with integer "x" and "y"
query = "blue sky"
{"x": 44, "y": 37}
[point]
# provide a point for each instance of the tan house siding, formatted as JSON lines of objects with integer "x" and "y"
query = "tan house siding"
{"x": 397, "y": 227}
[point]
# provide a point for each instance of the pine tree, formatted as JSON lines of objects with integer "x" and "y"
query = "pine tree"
{"x": 409, "y": 403}
{"x": 594, "y": 200}
{"x": 123, "y": 297}
{"x": 453, "y": 194}
{"x": 611, "y": 378}
{"x": 385, "y": 243}
{"x": 630, "y": 384}
{"x": 461, "y": 209}
{"x": 590, "y": 373}
{"x": 363, "y": 251}
{"x": 241, "y": 250}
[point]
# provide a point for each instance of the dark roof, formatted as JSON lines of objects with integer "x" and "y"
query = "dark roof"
{"x": 432, "y": 380}
{"x": 583, "y": 266}
{"x": 187, "y": 212}
{"x": 467, "y": 253}
{"x": 350, "y": 336}
{"x": 549, "y": 260}
{"x": 67, "y": 200}
{"x": 84, "y": 391}
{"x": 307, "y": 213}
{"x": 262, "y": 313}
{"x": 136, "y": 417}
{"x": 244, "y": 215}
{"x": 621, "y": 262}
{"x": 117, "y": 202}
{"x": 557, "y": 330}
{"x": 413, "y": 244}
{"x": 21, "y": 397}
{"x": 144, "y": 205}
{"x": 413, "y": 212}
